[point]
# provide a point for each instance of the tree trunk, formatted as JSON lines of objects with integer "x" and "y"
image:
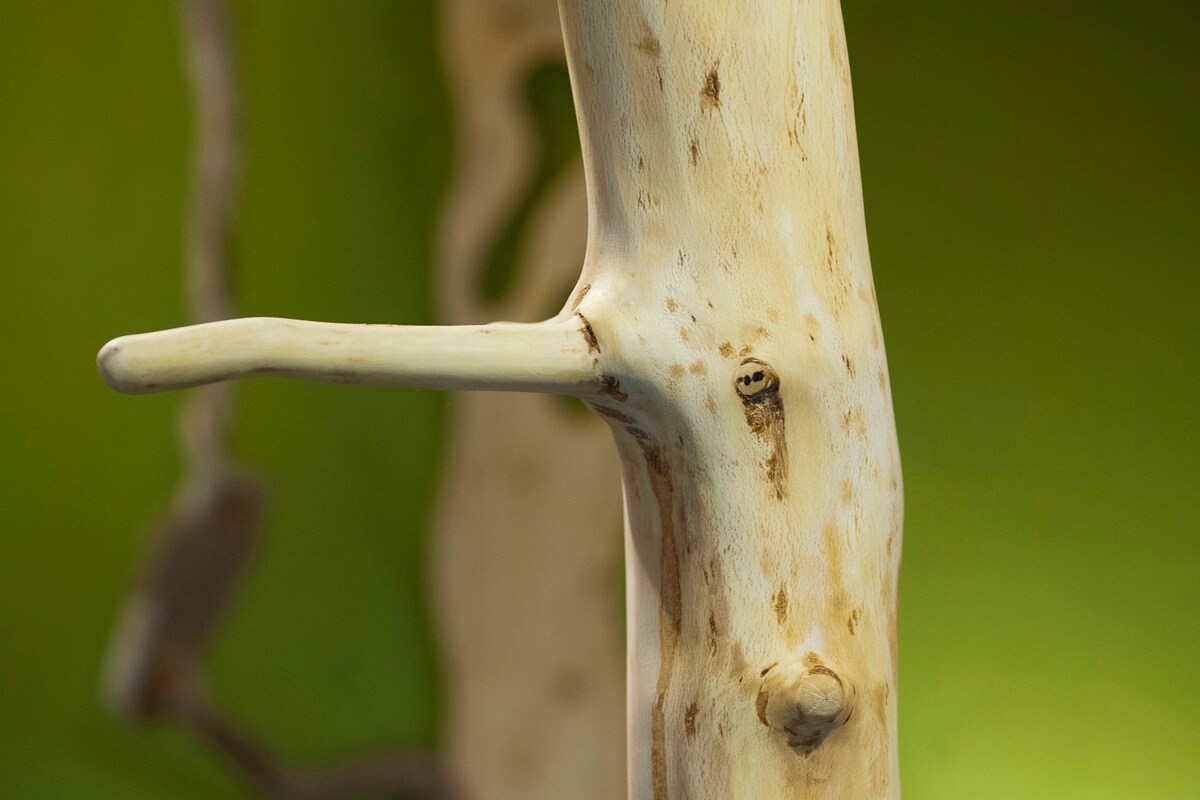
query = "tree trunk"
{"x": 729, "y": 293}
{"x": 725, "y": 326}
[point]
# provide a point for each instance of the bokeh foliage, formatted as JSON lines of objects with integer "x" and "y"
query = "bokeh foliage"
{"x": 1032, "y": 185}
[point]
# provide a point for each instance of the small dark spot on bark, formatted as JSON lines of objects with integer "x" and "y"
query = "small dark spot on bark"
{"x": 689, "y": 719}
{"x": 589, "y": 335}
{"x": 768, "y": 668}
{"x": 710, "y": 93}
{"x": 694, "y": 152}
{"x": 779, "y": 602}
{"x": 641, "y": 163}
{"x": 582, "y": 293}
{"x": 813, "y": 325}
{"x": 849, "y": 365}
{"x": 612, "y": 387}
{"x": 637, "y": 433}
{"x": 726, "y": 350}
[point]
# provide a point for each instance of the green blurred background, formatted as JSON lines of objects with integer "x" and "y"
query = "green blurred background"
{"x": 1032, "y": 184}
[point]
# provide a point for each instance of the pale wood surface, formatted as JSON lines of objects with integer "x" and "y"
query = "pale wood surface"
{"x": 726, "y": 223}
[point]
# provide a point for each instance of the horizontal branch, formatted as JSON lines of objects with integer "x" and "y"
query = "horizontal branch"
{"x": 550, "y": 357}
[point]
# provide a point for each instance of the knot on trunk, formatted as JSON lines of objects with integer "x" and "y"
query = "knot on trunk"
{"x": 805, "y": 700}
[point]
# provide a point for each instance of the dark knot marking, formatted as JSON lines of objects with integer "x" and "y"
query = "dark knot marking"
{"x": 756, "y": 381}
{"x": 757, "y": 384}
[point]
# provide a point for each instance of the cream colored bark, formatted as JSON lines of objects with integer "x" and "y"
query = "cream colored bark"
{"x": 526, "y": 542}
{"x": 725, "y": 326}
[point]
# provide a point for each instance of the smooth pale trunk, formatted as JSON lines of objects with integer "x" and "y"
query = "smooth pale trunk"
{"x": 725, "y": 326}
{"x": 726, "y": 224}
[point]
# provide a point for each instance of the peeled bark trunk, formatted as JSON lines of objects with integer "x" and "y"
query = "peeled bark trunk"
{"x": 725, "y": 326}
{"x": 729, "y": 293}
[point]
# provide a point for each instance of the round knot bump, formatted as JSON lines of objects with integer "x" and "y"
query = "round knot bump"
{"x": 804, "y": 700}
{"x": 755, "y": 379}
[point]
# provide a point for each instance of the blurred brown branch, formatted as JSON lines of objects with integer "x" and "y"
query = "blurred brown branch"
{"x": 208, "y": 534}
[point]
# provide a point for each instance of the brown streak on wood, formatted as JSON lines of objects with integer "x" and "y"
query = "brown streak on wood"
{"x": 779, "y": 602}
{"x": 582, "y": 293}
{"x": 710, "y": 93}
{"x": 670, "y": 617}
{"x": 613, "y": 413}
{"x": 612, "y": 387}
{"x": 765, "y": 416}
{"x": 589, "y": 335}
